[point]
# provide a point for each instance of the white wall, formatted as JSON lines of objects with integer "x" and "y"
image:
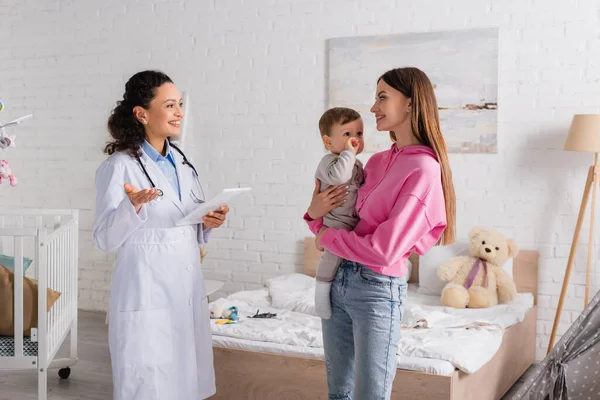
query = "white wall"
{"x": 256, "y": 71}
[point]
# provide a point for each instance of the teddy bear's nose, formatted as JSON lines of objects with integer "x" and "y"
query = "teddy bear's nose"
{"x": 488, "y": 250}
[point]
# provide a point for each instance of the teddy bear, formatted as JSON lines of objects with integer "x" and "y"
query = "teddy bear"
{"x": 478, "y": 280}
{"x": 6, "y": 173}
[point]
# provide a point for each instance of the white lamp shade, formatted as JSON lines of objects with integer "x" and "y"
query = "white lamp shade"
{"x": 584, "y": 134}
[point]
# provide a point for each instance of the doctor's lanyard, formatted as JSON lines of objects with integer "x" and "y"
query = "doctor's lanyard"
{"x": 195, "y": 198}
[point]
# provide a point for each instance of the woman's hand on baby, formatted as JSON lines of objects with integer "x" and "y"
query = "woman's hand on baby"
{"x": 323, "y": 202}
{"x": 352, "y": 145}
{"x": 139, "y": 197}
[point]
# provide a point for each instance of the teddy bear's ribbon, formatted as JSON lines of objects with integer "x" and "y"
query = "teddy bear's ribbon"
{"x": 474, "y": 271}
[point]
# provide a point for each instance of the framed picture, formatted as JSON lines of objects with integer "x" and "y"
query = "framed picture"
{"x": 462, "y": 66}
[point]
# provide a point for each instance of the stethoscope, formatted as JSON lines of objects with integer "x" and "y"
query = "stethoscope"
{"x": 195, "y": 198}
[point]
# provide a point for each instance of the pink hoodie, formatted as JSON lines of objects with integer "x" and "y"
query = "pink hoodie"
{"x": 401, "y": 209}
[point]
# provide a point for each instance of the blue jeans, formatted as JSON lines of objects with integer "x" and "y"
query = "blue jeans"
{"x": 361, "y": 337}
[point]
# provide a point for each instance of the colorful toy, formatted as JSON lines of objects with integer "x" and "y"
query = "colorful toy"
{"x": 5, "y": 143}
{"x": 225, "y": 322}
{"x": 6, "y": 173}
{"x": 233, "y": 313}
{"x": 229, "y": 314}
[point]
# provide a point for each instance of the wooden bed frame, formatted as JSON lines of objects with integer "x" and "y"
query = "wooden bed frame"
{"x": 253, "y": 375}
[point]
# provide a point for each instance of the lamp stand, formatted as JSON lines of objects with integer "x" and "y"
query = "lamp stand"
{"x": 593, "y": 179}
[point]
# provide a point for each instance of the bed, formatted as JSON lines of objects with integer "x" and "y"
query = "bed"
{"x": 260, "y": 367}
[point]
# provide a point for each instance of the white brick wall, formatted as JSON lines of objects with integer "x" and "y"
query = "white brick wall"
{"x": 256, "y": 71}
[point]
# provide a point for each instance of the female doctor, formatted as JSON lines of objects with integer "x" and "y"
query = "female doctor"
{"x": 159, "y": 332}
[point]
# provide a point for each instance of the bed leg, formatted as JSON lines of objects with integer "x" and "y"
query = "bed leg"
{"x": 42, "y": 383}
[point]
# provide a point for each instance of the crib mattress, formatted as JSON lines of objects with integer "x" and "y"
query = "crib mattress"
{"x": 7, "y": 347}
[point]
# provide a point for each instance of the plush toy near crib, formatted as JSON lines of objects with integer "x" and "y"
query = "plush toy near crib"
{"x": 7, "y": 142}
{"x": 6, "y": 173}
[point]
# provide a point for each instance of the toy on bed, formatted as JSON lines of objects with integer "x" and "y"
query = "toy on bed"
{"x": 224, "y": 316}
{"x": 263, "y": 315}
{"x": 478, "y": 280}
{"x": 6, "y": 173}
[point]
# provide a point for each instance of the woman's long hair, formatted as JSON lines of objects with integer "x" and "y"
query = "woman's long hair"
{"x": 128, "y": 133}
{"x": 425, "y": 123}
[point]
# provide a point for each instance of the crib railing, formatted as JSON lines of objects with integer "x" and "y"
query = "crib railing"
{"x": 55, "y": 258}
{"x": 58, "y": 249}
{"x": 18, "y": 235}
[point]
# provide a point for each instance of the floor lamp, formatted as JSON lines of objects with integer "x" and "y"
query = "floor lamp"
{"x": 584, "y": 135}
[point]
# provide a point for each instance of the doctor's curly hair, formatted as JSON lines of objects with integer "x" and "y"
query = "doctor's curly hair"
{"x": 128, "y": 133}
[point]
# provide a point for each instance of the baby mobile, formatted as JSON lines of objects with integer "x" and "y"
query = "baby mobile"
{"x": 5, "y": 143}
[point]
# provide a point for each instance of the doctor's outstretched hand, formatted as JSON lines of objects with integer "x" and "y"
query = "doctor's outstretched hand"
{"x": 215, "y": 219}
{"x": 139, "y": 197}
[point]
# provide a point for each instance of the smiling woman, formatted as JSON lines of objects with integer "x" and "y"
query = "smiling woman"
{"x": 159, "y": 332}
{"x": 406, "y": 204}
{"x": 150, "y": 99}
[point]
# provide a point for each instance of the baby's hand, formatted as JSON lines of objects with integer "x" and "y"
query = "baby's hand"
{"x": 352, "y": 145}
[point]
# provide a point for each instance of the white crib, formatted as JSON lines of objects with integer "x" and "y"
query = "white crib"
{"x": 51, "y": 237}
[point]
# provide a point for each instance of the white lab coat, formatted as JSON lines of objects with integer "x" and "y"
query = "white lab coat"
{"x": 159, "y": 327}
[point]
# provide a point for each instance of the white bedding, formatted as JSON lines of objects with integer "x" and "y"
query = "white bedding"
{"x": 435, "y": 339}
